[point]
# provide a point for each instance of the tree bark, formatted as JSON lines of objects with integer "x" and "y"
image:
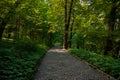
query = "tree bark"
{"x": 71, "y": 32}
{"x": 112, "y": 17}
{"x": 111, "y": 26}
{"x": 67, "y": 23}
{"x": 17, "y": 32}
{"x": 2, "y": 28}
{"x": 50, "y": 40}
{"x": 65, "y": 29}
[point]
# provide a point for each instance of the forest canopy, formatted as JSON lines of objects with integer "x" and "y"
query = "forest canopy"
{"x": 89, "y": 24}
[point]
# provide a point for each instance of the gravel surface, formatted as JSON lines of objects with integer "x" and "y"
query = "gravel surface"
{"x": 59, "y": 65}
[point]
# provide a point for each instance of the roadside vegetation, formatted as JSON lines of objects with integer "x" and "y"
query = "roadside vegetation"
{"x": 104, "y": 63}
{"x": 19, "y": 60}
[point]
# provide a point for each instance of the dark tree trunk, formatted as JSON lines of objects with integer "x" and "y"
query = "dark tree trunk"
{"x": 2, "y": 28}
{"x": 112, "y": 17}
{"x": 17, "y": 32}
{"x": 109, "y": 46}
{"x": 111, "y": 26}
{"x": 71, "y": 32}
{"x": 70, "y": 12}
{"x": 65, "y": 29}
{"x": 9, "y": 35}
{"x": 67, "y": 23}
{"x": 77, "y": 46}
{"x": 50, "y": 39}
{"x": 117, "y": 50}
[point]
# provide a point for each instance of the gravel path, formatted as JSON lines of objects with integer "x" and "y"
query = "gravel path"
{"x": 59, "y": 65}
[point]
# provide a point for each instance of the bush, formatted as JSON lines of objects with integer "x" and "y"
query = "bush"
{"x": 19, "y": 60}
{"x": 105, "y": 63}
{"x": 25, "y": 46}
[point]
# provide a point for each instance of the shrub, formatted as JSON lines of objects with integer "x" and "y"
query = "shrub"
{"x": 25, "y": 46}
{"x": 19, "y": 60}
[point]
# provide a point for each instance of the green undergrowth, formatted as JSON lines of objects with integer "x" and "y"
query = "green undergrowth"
{"x": 104, "y": 63}
{"x": 19, "y": 60}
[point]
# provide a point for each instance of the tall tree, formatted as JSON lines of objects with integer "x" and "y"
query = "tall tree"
{"x": 65, "y": 28}
{"x": 67, "y": 23}
{"x": 71, "y": 30}
{"x": 111, "y": 26}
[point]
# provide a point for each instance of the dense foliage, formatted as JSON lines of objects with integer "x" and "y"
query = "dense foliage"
{"x": 19, "y": 60}
{"x": 105, "y": 63}
{"x": 93, "y": 25}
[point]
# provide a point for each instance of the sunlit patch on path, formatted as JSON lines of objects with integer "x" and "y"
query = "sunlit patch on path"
{"x": 59, "y": 65}
{"x": 58, "y": 50}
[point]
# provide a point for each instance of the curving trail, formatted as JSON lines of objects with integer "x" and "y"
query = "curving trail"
{"x": 59, "y": 65}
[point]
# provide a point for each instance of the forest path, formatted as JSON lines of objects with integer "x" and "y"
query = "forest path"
{"x": 59, "y": 65}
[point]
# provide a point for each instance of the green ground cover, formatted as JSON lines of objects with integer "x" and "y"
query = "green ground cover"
{"x": 104, "y": 63}
{"x": 19, "y": 60}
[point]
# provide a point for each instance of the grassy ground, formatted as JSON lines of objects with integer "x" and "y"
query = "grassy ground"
{"x": 104, "y": 63}
{"x": 18, "y": 60}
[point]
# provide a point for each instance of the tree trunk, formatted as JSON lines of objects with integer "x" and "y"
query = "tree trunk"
{"x": 111, "y": 26}
{"x": 65, "y": 29}
{"x": 17, "y": 28}
{"x": 50, "y": 40}
{"x": 112, "y": 17}
{"x": 117, "y": 50}
{"x": 109, "y": 46}
{"x": 78, "y": 46}
{"x": 67, "y": 23}
{"x": 2, "y": 28}
{"x": 71, "y": 32}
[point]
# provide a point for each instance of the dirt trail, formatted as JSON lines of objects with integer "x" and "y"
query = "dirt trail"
{"x": 59, "y": 65}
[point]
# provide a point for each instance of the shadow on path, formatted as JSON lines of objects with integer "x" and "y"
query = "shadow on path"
{"x": 59, "y": 65}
